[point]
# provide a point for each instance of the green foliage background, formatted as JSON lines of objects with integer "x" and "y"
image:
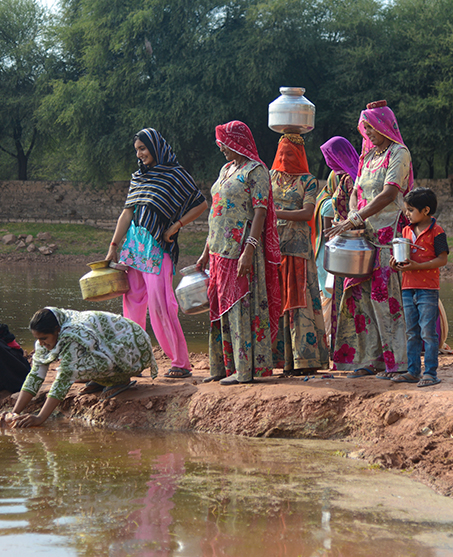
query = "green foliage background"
{"x": 77, "y": 84}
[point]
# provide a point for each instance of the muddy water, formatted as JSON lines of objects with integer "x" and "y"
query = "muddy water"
{"x": 25, "y": 288}
{"x": 78, "y": 491}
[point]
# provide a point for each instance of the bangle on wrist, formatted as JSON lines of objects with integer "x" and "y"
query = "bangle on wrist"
{"x": 355, "y": 219}
{"x": 181, "y": 224}
{"x": 114, "y": 244}
{"x": 252, "y": 241}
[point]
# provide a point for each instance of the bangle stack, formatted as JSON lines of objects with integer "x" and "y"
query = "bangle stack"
{"x": 355, "y": 219}
{"x": 252, "y": 241}
{"x": 113, "y": 244}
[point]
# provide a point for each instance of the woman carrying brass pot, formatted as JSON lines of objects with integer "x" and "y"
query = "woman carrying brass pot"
{"x": 162, "y": 198}
{"x": 371, "y": 335}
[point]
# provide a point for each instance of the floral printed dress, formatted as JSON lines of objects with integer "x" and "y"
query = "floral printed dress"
{"x": 92, "y": 346}
{"x": 239, "y": 339}
{"x": 371, "y": 329}
{"x": 301, "y": 341}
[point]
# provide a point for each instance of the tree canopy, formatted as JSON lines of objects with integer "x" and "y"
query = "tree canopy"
{"x": 87, "y": 82}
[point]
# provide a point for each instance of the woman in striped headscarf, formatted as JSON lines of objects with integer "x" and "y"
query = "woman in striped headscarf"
{"x": 162, "y": 199}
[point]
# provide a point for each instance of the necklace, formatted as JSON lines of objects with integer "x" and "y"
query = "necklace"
{"x": 285, "y": 180}
{"x": 378, "y": 153}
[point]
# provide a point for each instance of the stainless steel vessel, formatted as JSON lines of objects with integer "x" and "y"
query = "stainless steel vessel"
{"x": 192, "y": 291}
{"x": 401, "y": 249}
{"x": 291, "y": 112}
{"x": 349, "y": 254}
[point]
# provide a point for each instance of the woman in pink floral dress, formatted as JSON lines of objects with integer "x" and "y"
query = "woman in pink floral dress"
{"x": 243, "y": 254}
{"x": 371, "y": 334}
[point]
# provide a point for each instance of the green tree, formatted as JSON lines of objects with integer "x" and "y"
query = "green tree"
{"x": 23, "y": 53}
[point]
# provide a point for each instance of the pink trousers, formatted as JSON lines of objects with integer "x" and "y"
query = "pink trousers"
{"x": 155, "y": 293}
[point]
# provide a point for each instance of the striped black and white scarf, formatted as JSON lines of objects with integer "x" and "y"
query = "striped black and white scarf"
{"x": 161, "y": 194}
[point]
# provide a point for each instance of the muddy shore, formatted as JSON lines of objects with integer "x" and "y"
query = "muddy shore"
{"x": 397, "y": 426}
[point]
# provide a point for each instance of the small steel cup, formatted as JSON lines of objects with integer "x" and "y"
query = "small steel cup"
{"x": 401, "y": 249}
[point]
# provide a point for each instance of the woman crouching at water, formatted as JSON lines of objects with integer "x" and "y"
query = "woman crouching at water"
{"x": 96, "y": 346}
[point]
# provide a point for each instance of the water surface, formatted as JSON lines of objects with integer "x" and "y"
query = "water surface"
{"x": 79, "y": 491}
{"x": 25, "y": 288}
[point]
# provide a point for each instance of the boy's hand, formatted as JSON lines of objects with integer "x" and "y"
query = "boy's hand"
{"x": 395, "y": 265}
{"x": 402, "y": 266}
{"x": 408, "y": 265}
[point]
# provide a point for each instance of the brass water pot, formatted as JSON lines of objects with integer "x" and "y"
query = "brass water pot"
{"x": 103, "y": 282}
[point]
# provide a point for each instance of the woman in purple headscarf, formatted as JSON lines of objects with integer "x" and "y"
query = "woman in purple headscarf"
{"x": 332, "y": 205}
{"x": 371, "y": 335}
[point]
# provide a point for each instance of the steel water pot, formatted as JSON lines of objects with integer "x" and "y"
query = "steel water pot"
{"x": 291, "y": 112}
{"x": 349, "y": 254}
{"x": 192, "y": 291}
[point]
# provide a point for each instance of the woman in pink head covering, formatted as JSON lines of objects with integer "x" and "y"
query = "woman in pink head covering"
{"x": 243, "y": 253}
{"x": 371, "y": 335}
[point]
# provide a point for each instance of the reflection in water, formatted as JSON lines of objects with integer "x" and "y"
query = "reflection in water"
{"x": 148, "y": 529}
{"x": 85, "y": 492}
{"x": 25, "y": 288}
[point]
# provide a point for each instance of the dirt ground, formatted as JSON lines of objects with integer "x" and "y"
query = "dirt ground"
{"x": 396, "y": 426}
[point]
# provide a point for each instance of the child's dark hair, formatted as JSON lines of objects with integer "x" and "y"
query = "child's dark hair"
{"x": 44, "y": 321}
{"x": 421, "y": 198}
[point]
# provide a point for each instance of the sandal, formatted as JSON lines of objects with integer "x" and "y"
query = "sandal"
{"x": 110, "y": 392}
{"x": 178, "y": 373}
{"x": 361, "y": 372}
{"x": 389, "y": 374}
{"x": 428, "y": 381}
{"x": 91, "y": 387}
{"x": 405, "y": 378}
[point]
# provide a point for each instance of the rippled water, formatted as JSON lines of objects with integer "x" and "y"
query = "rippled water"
{"x": 79, "y": 491}
{"x": 25, "y": 288}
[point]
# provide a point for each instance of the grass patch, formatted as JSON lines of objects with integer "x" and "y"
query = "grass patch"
{"x": 191, "y": 243}
{"x": 80, "y": 239}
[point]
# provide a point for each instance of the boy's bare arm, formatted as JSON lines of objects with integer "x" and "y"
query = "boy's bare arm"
{"x": 410, "y": 265}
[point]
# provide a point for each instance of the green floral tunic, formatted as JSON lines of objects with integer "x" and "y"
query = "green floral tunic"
{"x": 92, "y": 346}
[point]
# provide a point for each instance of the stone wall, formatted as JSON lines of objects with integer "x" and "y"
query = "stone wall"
{"x": 68, "y": 202}
{"x": 64, "y": 202}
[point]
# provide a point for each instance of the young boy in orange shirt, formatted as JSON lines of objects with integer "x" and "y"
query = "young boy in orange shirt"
{"x": 420, "y": 286}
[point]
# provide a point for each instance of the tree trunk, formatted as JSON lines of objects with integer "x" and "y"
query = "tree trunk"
{"x": 22, "y": 158}
{"x": 430, "y": 160}
{"x": 22, "y": 165}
